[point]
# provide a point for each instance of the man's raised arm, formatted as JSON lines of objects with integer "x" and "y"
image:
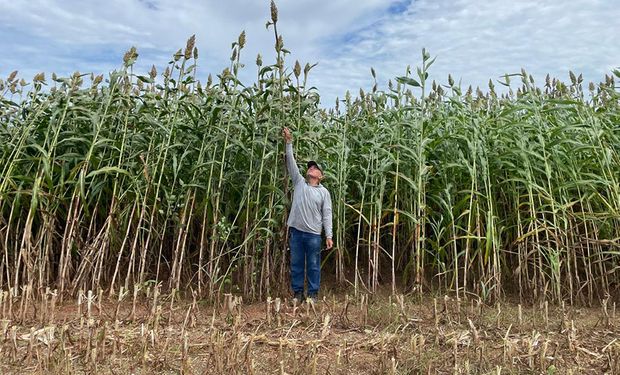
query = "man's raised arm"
{"x": 291, "y": 165}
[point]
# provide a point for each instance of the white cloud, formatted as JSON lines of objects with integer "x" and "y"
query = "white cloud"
{"x": 473, "y": 39}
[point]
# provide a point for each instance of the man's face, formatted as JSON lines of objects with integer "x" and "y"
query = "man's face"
{"x": 314, "y": 172}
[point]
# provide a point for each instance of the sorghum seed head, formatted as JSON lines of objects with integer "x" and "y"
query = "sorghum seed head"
{"x": 189, "y": 47}
{"x": 297, "y": 69}
{"x": 241, "y": 39}
{"x": 274, "y": 12}
{"x": 177, "y": 55}
{"x": 279, "y": 43}
{"x": 130, "y": 56}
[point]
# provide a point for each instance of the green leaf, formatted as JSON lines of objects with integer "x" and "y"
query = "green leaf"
{"x": 107, "y": 170}
{"x": 145, "y": 79}
{"x": 408, "y": 81}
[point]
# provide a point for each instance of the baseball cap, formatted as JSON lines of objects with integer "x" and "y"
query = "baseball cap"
{"x": 313, "y": 163}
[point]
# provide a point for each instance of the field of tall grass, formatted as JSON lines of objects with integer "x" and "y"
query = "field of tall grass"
{"x": 123, "y": 181}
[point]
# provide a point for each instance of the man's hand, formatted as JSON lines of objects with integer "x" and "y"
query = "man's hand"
{"x": 286, "y": 133}
{"x": 330, "y": 243}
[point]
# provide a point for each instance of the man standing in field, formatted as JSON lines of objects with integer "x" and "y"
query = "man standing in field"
{"x": 311, "y": 212}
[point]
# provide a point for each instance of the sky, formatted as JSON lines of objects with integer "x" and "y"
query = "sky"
{"x": 473, "y": 40}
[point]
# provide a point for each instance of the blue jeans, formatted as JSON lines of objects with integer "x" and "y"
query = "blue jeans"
{"x": 305, "y": 256}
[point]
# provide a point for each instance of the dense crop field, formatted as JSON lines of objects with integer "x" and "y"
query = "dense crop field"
{"x": 125, "y": 184}
{"x": 129, "y": 179}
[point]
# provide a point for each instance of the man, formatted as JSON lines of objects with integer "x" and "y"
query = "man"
{"x": 311, "y": 212}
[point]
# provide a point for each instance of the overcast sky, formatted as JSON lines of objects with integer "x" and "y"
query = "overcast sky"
{"x": 474, "y": 40}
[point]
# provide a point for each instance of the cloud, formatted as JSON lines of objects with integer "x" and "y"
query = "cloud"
{"x": 474, "y": 40}
{"x": 87, "y": 35}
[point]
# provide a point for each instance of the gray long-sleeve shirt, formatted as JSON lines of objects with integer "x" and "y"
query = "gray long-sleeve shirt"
{"x": 311, "y": 210}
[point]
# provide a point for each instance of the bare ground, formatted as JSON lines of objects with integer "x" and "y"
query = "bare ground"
{"x": 338, "y": 335}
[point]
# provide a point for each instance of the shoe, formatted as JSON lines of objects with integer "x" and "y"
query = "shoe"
{"x": 313, "y": 298}
{"x": 299, "y": 297}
